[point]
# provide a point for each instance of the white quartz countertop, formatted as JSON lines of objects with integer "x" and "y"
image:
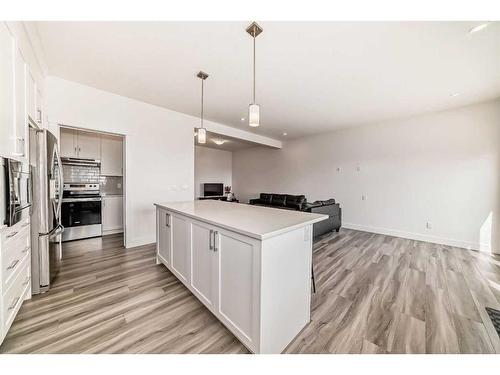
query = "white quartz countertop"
{"x": 254, "y": 221}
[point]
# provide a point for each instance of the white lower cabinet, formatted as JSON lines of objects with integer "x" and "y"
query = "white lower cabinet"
{"x": 15, "y": 275}
{"x": 164, "y": 237}
{"x": 204, "y": 264}
{"x": 220, "y": 267}
{"x": 238, "y": 298}
{"x": 112, "y": 214}
{"x": 181, "y": 238}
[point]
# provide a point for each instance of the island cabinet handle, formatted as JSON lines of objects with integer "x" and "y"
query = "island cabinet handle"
{"x": 210, "y": 240}
{"x": 215, "y": 241}
{"x": 167, "y": 220}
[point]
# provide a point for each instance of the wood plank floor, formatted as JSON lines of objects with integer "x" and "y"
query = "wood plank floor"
{"x": 375, "y": 294}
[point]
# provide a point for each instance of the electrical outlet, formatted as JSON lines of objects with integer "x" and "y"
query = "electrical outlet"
{"x": 428, "y": 225}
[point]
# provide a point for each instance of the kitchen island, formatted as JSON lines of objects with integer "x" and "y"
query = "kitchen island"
{"x": 249, "y": 265}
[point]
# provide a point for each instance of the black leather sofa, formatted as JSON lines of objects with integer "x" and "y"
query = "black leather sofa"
{"x": 299, "y": 203}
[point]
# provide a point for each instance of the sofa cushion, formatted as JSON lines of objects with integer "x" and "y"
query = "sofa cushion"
{"x": 296, "y": 202}
{"x": 265, "y": 198}
{"x": 279, "y": 200}
{"x": 314, "y": 204}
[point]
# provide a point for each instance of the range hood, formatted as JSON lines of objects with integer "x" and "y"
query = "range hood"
{"x": 81, "y": 162}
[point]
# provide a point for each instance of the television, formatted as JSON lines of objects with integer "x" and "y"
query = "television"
{"x": 213, "y": 189}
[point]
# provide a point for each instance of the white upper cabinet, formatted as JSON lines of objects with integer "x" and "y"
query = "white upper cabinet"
{"x": 80, "y": 144}
{"x": 111, "y": 155}
{"x": 30, "y": 95}
{"x": 7, "y": 137}
{"x": 39, "y": 108}
{"x": 21, "y": 126}
{"x": 68, "y": 145}
{"x": 18, "y": 92}
{"x": 89, "y": 145}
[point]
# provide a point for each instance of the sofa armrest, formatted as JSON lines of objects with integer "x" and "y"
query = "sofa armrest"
{"x": 254, "y": 201}
{"x": 330, "y": 210}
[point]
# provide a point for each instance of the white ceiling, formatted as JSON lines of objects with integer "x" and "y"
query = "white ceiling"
{"x": 311, "y": 76}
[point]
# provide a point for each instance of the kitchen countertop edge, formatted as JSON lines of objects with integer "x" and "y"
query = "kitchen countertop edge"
{"x": 257, "y": 236}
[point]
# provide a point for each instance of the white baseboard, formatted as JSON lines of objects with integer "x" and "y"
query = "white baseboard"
{"x": 139, "y": 241}
{"x": 414, "y": 236}
{"x": 114, "y": 231}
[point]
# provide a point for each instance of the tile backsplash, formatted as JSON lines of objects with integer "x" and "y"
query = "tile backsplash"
{"x": 111, "y": 185}
{"x": 80, "y": 173}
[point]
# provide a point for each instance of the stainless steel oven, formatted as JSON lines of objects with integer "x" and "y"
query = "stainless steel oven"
{"x": 15, "y": 189}
{"x": 81, "y": 211}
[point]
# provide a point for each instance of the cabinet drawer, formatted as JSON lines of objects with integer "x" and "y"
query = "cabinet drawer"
{"x": 13, "y": 255}
{"x": 9, "y": 234}
{"x": 13, "y": 298}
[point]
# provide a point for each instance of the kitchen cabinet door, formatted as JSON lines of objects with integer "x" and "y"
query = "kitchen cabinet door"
{"x": 164, "y": 235}
{"x": 30, "y": 95}
{"x": 68, "y": 146}
{"x": 7, "y": 94}
{"x": 238, "y": 282}
{"x": 39, "y": 109}
{"x": 204, "y": 264}
{"x": 89, "y": 145}
{"x": 180, "y": 227}
{"x": 21, "y": 127}
{"x": 111, "y": 155}
{"x": 112, "y": 214}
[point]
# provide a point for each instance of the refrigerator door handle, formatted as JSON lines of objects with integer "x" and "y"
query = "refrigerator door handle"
{"x": 57, "y": 230}
{"x": 60, "y": 175}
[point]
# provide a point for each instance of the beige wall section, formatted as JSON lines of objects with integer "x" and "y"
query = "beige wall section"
{"x": 211, "y": 165}
{"x": 441, "y": 168}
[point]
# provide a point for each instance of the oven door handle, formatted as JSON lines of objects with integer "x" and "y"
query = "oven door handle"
{"x": 71, "y": 200}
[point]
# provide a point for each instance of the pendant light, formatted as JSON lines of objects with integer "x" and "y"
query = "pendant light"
{"x": 202, "y": 132}
{"x": 253, "y": 109}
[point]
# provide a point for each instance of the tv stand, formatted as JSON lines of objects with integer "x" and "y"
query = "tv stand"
{"x": 217, "y": 198}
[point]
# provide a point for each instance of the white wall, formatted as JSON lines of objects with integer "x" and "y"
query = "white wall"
{"x": 159, "y": 149}
{"x": 211, "y": 165}
{"x": 441, "y": 167}
{"x": 159, "y": 146}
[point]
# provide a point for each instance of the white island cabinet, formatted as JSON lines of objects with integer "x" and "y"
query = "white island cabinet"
{"x": 250, "y": 266}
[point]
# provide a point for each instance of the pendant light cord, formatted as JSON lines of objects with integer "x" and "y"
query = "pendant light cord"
{"x": 254, "y": 68}
{"x": 202, "y": 103}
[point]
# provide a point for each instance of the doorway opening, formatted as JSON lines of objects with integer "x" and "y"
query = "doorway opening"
{"x": 93, "y": 205}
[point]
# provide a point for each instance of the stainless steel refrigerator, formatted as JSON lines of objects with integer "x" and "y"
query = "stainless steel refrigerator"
{"x": 46, "y": 228}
